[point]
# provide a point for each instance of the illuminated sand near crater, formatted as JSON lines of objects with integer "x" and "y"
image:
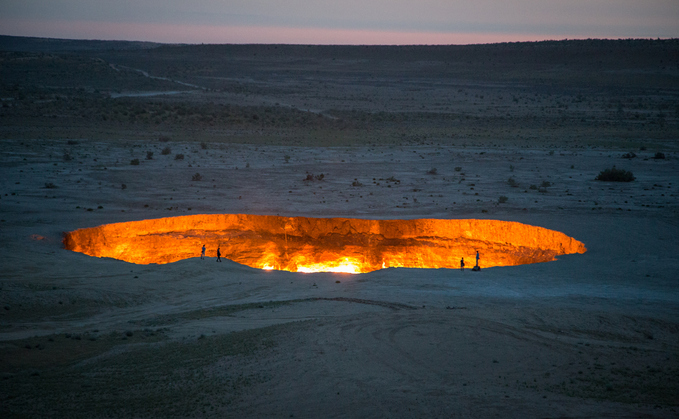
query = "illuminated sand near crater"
{"x": 302, "y": 244}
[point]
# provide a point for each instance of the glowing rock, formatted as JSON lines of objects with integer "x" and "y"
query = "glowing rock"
{"x": 302, "y": 244}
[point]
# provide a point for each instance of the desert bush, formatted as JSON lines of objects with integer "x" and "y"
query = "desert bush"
{"x": 72, "y": 142}
{"x": 615, "y": 175}
{"x": 179, "y": 157}
{"x": 166, "y": 151}
{"x": 458, "y": 169}
{"x": 287, "y": 158}
{"x": 432, "y": 171}
{"x": 533, "y": 187}
{"x": 511, "y": 168}
{"x": 163, "y": 139}
{"x": 659, "y": 155}
{"x": 629, "y": 155}
{"x": 203, "y": 146}
{"x": 134, "y": 162}
{"x": 149, "y": 155}
{"x": 502, "y": 199}
{"x": 311, "y": 177}
{"x": 197, "y": 177}
{"x": 356, "y": 183}
{"x": 50, "y": 185}
{"x": 545, "y": 184}
{"x": 512, "y": 182}
{"x": 123, "y": 186}
{"x": 67, "y": 157}
{"x": 551, "y": 152}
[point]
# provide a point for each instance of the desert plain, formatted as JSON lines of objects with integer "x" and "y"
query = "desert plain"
{"x": 92, "y": 133}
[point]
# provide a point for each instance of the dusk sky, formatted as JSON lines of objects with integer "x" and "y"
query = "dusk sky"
{"x": 340, "y": 22}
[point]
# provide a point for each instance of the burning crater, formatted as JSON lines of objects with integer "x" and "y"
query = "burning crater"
{"x": 301, "y": 244}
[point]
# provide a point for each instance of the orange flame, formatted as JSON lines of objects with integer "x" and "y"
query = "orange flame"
{"x": 301, "y": 244}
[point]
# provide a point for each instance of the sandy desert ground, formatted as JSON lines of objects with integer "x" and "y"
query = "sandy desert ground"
{"x": 590, "y": 335}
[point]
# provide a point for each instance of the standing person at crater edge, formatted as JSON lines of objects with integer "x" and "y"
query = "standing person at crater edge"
{"x": 477, "y": 259}
{"x": 462, "y": 264}
{"x": 219, "y": 254}
{"x": 202, "y": 253}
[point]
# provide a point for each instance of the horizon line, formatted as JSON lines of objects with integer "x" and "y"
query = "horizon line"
{"x": 339, "y": 44}
{"x": 276, "y": 35}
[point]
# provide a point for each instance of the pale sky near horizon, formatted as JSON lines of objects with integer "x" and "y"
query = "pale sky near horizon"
{"x": 340, "y": 22}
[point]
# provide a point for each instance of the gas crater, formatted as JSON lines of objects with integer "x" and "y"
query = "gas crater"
{"x": 303, "y": 244}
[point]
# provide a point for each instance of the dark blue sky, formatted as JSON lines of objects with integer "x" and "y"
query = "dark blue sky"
{"x": 340, "y": 22}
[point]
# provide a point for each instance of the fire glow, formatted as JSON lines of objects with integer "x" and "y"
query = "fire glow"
{"x": 302, "y": 244}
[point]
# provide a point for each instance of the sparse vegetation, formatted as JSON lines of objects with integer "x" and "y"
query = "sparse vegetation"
{"x": 356, "y": 183}
{"x": 203, "y": 145}
{"x": 50, "y": 185}
{"x": 502, "y": 199}
{"x": 179, "y": 157}
{"x": 432, "y": 171}
{"x": 629, "y": 155}
{"x": 166, "y": 151}
{"x": 134, "y": 162}
{"x": 545, "y": 184}
{"x": 615, "y": 175}
{"x": 67, "y": 157}
{"x": 311, "y": 177}
{"x": 458, "y": 169}
{"x": 197, "y": 177}
{"x": 512, "y": 182}
{"x": 659, "y": 156}
{"x": 149, "y": 155}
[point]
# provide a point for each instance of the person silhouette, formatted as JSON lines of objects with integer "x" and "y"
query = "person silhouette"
{"x": 219, "y": 254}
{"x": 462, "y": 264}
{"x": 477, "y": 268}
{"x": 202, "y": 253}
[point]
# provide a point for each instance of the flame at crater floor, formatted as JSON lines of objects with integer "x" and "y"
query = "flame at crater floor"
{"x": 302, "y": 244}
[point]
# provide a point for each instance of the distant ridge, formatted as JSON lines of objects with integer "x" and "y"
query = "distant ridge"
{"x": 32, "y": 44}
{"x": 57, "y": 45}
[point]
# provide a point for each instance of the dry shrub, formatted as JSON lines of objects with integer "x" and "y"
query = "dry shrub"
{"x": 615, "y": 175}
